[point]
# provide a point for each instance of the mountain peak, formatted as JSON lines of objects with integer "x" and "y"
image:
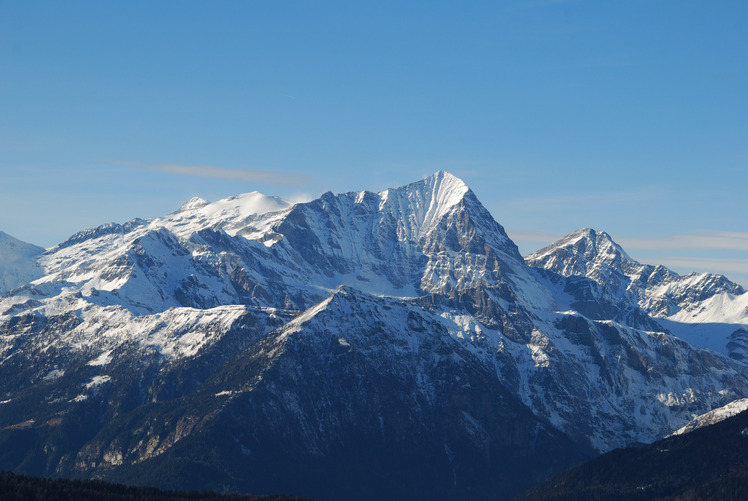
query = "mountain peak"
{"x": 423, "y": 203}
{"x": 441, "y": 188}
{"x": 443, "y": 176}
{"x": 657, "y": 290}
{"x": 599, "y": 239}
{"x": 581, "y": 250}
{"x": 447, "y": 189}
{"x": 241, "y": 205}
{"x": 193, "y": 203}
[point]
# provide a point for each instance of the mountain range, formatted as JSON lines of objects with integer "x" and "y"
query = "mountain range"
{"x": 358, "y": 346}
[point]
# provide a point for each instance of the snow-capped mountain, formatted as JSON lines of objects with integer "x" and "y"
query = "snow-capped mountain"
{"x": 357, "y": 334}
{"x": 17, "y": 262}
{"x": 705, "y": 309}
{"x": 659, "y": 291}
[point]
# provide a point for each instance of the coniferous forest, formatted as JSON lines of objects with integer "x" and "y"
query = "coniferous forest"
{"x": 707, "y": 463}
{"x": 22, "y": 488}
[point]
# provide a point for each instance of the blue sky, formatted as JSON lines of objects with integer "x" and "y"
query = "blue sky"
{"x": 625, "y": 116}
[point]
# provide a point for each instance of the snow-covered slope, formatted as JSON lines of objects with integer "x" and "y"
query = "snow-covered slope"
{"x": 720, "y": 308}
{"x": 602, "y": 382}
{"x": 659, "y": 291}
{"x": 403, "y": 295}
{"x": 18, "y": 263}
{"x": 714, "y": 416}
{"x": 702, "y": 308}
{"x": 432, "y": 236}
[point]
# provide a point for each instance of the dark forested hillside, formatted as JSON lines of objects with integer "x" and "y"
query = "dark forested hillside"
{"x": 708, "y": 463}
{"x": 21, "y": 488}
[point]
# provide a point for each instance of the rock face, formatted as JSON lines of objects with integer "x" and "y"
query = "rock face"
{"x": 705, "y": 309}
{"x": 657, "y": 290}
{"x": 376, "y": 345}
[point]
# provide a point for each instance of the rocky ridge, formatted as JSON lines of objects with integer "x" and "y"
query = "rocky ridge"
{"x": 705, "y": 309}
{"x": 350, "y": 330}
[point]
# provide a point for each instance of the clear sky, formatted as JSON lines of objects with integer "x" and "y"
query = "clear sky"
{"x": 625, "y": 116}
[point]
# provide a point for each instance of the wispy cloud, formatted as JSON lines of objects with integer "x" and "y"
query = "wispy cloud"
{"x": 243, "y": 175}
{"x": 680, "y": 250}
{"x": 711, "y": 240}
{"x": 722, "y": 265}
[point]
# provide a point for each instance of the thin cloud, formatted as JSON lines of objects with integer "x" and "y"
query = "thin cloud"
{"x": 713, "y": 240}
{"x": 722, "y": 265}
{"x": 243, "y": 175}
